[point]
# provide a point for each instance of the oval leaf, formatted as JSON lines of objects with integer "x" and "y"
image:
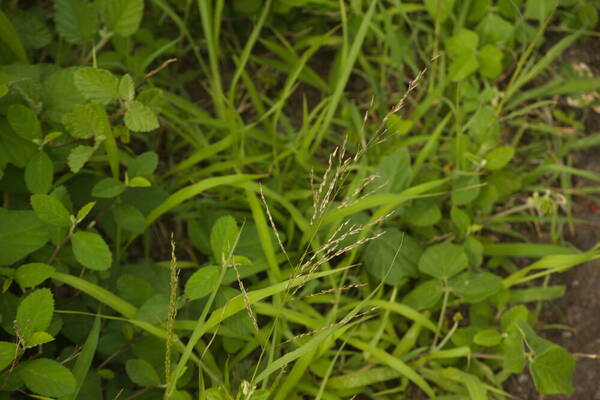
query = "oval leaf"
{"x": 39, "y": 173}
{"x": 91, "y": 251}
{"x": 47, "y": 378}
{"x": 30, "y": 275}
{"x": 443, "y": 260}
{"x": 50, "y": 210}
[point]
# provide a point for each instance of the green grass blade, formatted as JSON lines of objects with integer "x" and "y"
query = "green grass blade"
{"x": 84, "y": 361}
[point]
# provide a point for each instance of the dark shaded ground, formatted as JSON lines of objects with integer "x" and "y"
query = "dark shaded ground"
{"x": 580, "y": 307}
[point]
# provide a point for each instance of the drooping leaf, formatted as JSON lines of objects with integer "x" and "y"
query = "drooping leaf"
{"x": 75, "y": 20}
{"x": 50, "y": 210}
{"x": 140, "y": 118}
{"x": 21, "y": 233}
{"x": 91, "y": 250}
{"x": 39, "y": 173}
{"x": 47, "y": 377}
{"x": 79, "y": 156}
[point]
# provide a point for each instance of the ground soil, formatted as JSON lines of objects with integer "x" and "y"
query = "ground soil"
{"x": 580, "y": 307}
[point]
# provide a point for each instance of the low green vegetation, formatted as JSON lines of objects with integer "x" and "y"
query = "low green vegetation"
{"x": 287, "y": 199}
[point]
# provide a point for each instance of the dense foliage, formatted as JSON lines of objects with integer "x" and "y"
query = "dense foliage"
{"x": 255, "y": 199}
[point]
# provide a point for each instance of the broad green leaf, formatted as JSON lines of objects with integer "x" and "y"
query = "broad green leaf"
{"x": 494, "y": 29}
{"x": 79, "y": 156}
{"x": 108, "y": 188}
{"x": 464, "y": 42}
{"x": 129, "y": 218}
{"x": 154, "y": 310}
{"x": 60, "y": 94}
{"x": 139, "y": 181}
{"x": 441, "y": 8}
{"x": 463, "y": 66}
{"x": 465, "y": 189}
{"x": 47, "y": 377}
{"x": 91, "y": 251}
{"x": 478, "y": 9}
{"x": 126, "y": 88}
{"x": 143, "y": 165}
{"x": 490, "y": 61}
{"x": 50, "y": 210}
{"x": 514, "y": 352}
{"x": 85, "y": 210}
{"x": 134, "y": 289}
{"x": 9, "y": 36}
{"x": 140, "y": 118}
{"x": 85, "y": 121}
{"x": 394, "y": 172}
{"x": 475, "y": 287}
{"x": 38, "y": 338}
{"x": 122, "y": 16}
{"x": 24, "y": 122}
{"x": 443, "y": 260}
{"x": 392, "y": 257}
{"x": 422, "y": 213}
{"x": 75, "y": 20}
{"x": 142, "y": 373}
{"x": 30, "y": 275}
{"x": 8, "y": 352}
{"x": 223, "y": 238}
{"x": 552, "y": 371}
{"x": 460, "y": 221}
{"x": 202, "y": 282}
{"x": 488, "y": 337}
{"x": 499, "y": 157}
{"x": 34, "y": 33}
{"x": 21, "y": 233}
{"x": 540, "y": 9}
{"x": 34, "y": 313}
{"x": 39, "y": 173}
{"x": 587, "y": 13}
{"x": 97, "y": 85}
{"x": 424, "y": 296}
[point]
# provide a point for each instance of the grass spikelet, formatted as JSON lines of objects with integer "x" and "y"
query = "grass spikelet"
{"x": 172, "y": 311}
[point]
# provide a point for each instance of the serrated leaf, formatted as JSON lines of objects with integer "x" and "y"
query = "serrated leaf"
{"x": 85, "y": 121}
{"x": 126, "y": 88}
{"x": 142, "y": 373}
{"x": 50, "y": 210}
{"x": 33, "y": 274}
{"x": 143, "y": 165}
{"x": 140, "y": 118}
{"x": 552, "y": 371}
{"x": 79, "y": 156}
{"x": 21, "y": 233}
{"x": 223, "y": 238}
{"x": 34, "y": 313}
{"x": 138, "y": 181}
{"x": 108, "y": 188}
{"x": 59, "y": 94}
{"x": 202, "y": 282}
{"x": 443, "y": 260}
{"x": 122, "y": 16}
{"x": 85, "y": 210}
{"x": 91, "y": 251}
{"x": 97, "y": 85}
{"x": 24, "y": 122}
{"x": 47, "y": 377}
{"x": 33, "y": 32}
{"x": 39, "y": 173}
{"x": 75, "y": 20}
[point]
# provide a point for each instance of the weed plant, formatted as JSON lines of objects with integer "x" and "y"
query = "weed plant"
{"x": 288, "y": 199}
